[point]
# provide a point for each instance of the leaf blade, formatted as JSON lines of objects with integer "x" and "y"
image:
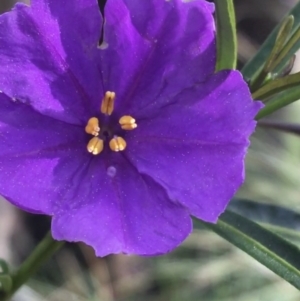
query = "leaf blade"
{"x": 277, "y": 85}
{"x": 271, "y": 250}
{"x": 279, "y": 101}
{"x": 253, "y": 65}
{"x": 226, "y": 35}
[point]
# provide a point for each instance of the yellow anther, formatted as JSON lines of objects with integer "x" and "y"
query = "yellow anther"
{"x": 95, "y": 146}
{"x": 117, "y": 144}
{"x": 108, "y": 101}
{"x": 127, "y": 123}
{"x": 92, "y": 126}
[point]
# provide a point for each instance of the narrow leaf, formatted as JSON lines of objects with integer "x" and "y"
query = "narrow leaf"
{"x": 266, "y": 213}
{"x": 282, "y": 36}
{"x": 226, "y": 35}
{"x": 281, "y": 220}
{"x": 271, "y": 250}
{"x": 289, "y": 49}
{"x": 279, "y": 101}
{"x": 251, "y": 68}
{"x": 277, "y": 85}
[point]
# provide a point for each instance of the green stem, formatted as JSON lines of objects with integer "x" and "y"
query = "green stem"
{"x": 6, "y": 284}
{"x": 45, "y": 249}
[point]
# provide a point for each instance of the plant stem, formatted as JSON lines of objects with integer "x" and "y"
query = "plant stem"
{"x": 45, "y": 249}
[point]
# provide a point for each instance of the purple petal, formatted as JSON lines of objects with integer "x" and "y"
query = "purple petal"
{"x": 186, "y": 156}
{"x": 154, "y": 49}
{"x": 118, "y": 210}
{"x": 195, "y": 145}
{"x": 48, "y": 54}
{"x": 33, "y": 149}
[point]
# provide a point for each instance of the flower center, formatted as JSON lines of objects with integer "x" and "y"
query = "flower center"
{"x": 116, "y": 143}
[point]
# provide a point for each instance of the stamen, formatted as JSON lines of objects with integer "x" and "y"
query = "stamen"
{"x": 95, "y": 146}
{"x": 92, "y": 126}
{"x": 117, "y": 144}
{"x": 108, "y": 101}
{"x": 127, "y": 123}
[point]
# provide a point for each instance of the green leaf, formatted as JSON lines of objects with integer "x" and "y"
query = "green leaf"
{"x": 226, "y": 35}
{"x": 271, "y": 250}
{"x": 279, "y": 101}
{"x": 251, "y": 68}
{"x": 282, "y": 36}
{"x": 288, "y": 50}
{"x": 266, "y": 213}
{"x": 281, "y": 220}
{"x": 277, "y": 85}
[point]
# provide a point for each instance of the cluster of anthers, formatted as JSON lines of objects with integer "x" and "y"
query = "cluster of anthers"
{"x": 117, "y": 143}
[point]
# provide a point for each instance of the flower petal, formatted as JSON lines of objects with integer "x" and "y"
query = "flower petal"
{"x": 195, "y": 145}
{"x": 49, "y": 57}
{"x": 122, "y": 211}
{"x": 155, "y": 48}
{"x": 33, "y": 148}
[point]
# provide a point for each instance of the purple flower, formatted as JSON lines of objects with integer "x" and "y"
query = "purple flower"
{"x": 120, "y": 143}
